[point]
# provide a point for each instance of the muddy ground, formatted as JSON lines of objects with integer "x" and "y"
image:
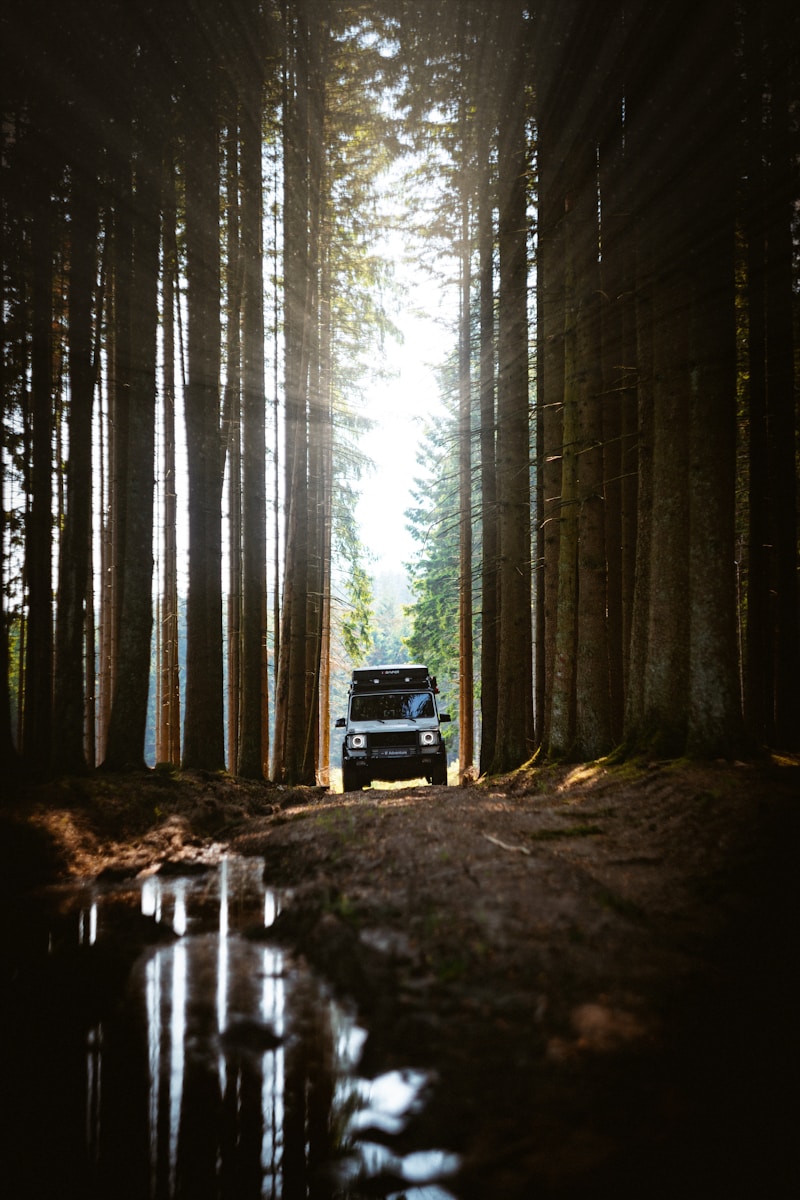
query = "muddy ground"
{"x": 599, "y": 963}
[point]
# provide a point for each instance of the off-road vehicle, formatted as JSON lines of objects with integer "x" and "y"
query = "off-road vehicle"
{"x": 392, "y": 727}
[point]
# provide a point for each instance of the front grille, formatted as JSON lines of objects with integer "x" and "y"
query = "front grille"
{"x": 391, "y": 740}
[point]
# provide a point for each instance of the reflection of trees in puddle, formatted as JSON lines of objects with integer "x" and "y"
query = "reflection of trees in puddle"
{"x": 241, "y": 1049}
{"x": 224, "y": 1072}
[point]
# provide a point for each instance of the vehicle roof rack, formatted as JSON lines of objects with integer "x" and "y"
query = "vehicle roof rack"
{"x": 392, "y": 675}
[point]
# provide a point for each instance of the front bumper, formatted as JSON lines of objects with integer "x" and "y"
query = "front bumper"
{"x": 395, "y": 763}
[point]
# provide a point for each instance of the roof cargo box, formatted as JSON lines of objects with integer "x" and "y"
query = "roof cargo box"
{"x": 391, "y": 676}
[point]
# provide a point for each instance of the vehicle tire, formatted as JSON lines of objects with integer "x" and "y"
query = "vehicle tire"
{"x": 350, "y": 778}
{"x": 439, "y": 776}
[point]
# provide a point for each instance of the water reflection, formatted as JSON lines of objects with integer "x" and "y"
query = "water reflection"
{"x": 224, "y": 1070}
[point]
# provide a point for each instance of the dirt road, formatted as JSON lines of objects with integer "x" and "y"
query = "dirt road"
{"x": 597, "y": 963}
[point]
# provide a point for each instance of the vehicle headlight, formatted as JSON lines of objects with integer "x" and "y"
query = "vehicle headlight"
{"x": 358, "y": 741}
{"x": 428, "y": 737}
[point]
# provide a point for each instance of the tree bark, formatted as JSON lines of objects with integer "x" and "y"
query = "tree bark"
{"x": 253, "y": 752}
{"x": 38, "y": 683}
{"x": 125, "y": 746}
{"x": 488, "y": 466}
{"x": 562, "y": 701}
{"x": 592, "y": 684}
{"x": 232, "y": 431}
{"x": 466, "y": 745}
{"x": 514, "y": 741}
{"x": 618, "y": 361}
{"x": 326, "y": 501}
{"x": 203, "y": 745}
{"x": 299, "y": 288}
{"x": 714, "y": 714}
{"x": 551, "y": 285}
{"x": 169, "y": 748}
{"x": 637, "y": 650}
{"x": 781, "y": 199}
{"x": 69, "y": 754}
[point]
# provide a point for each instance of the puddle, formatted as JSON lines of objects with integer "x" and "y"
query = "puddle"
{"x": 221, "y": 1069}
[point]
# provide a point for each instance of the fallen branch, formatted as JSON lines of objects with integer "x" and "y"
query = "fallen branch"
{"x": 505, "y": 845}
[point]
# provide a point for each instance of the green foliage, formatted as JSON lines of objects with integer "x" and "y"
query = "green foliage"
{"x": 392, "y": 622}
{"x": 14, "y": 652}
{"x": 351, "y": 610}
{"x": 433, "y": 523}
{"x": 356, "y": 626}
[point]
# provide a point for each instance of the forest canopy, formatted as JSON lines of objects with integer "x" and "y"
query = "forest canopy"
{"x": 193, "y": 307}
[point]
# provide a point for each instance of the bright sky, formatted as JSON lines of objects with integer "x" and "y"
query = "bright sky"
{"x": 400, "y": 408}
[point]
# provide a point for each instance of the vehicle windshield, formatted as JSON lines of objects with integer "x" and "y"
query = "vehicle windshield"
{"x": 391, "y": 706}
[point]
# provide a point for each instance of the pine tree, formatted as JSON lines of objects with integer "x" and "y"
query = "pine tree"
{"x": 514, "y": 740}
{"x": 69, "y": 749}
{"x": 254, "y": 749}
{"x": 128, "y": 718}
{"x": 203, "y": 722}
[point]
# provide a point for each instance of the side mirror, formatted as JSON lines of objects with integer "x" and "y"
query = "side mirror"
{"x": 340, "y": 723}
{"x": 444, "y": 716}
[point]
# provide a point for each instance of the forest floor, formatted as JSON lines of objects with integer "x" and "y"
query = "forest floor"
{"x": 598, "y": 963}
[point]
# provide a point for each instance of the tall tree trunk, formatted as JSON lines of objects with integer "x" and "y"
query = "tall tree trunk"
{"x": 169, "y": 749}
{"x": 466, "y": 746}
{"x": 551, "y": 285}
{"x": 666, "y": 676}
{"x": 317, "y": 193}
{"x": 325, "y": 497}
{"x": 203, "y": 745}
{"x": 714, "y": 721}
{"x": 232, "y": 432}
{"x": 38, "y": 684}
{"x": 125, "y": 745}
{"x": 91, "y": 632}
{"x": 69, "y": 752}
{"x": 488, "y": 471}
{"x": 759, "y": 664}
{"x": 714, "y": 716}
{"x": 781, "y": 199}
{"x": 292, "y": 720}
{"x": 771, "y": 655}
{"x": 637, "y": 652}
{"x": 105, "y": 457}
{"x": 618, "y": 363}
{"x": 665, "y": 277}
{"x": 275, "y": 333}
{"x": 513, "y": 744}
{"x": 562, "y": 700}
{"x": 592, "y": 685}
{"x": 119, "y": 399}
{"x": 253, "y": 749}
{"x": 629, "y": 465}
